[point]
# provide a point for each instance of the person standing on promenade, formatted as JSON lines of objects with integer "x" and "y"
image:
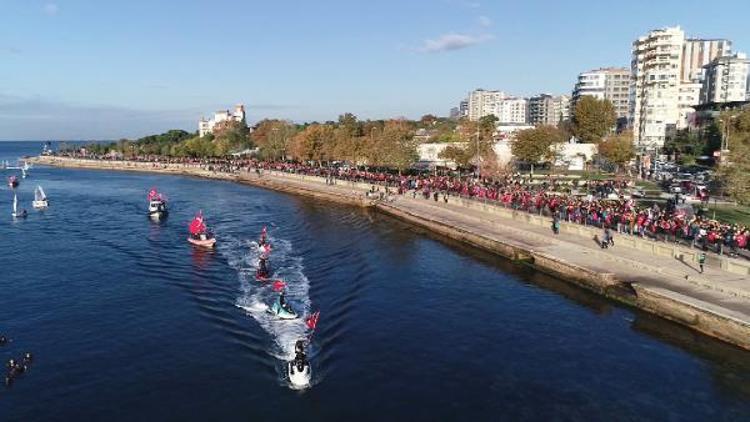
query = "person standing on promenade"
{"x": 556, "y": 224}
{"x": 701, "y": 260}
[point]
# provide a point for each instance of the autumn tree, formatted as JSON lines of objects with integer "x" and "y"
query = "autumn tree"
{"x": 535, "y": 145}
{"x": 617, "y": 149}
{"x": 734, "y": 171}
{"x": 308, "y": 145}
{"x": 394, "y": 146}
{"x": 593, "y": 119}
{"x": 458, "y": 153}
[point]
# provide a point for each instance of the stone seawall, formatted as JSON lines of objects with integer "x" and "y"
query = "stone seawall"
{"x": 638, "y": 283}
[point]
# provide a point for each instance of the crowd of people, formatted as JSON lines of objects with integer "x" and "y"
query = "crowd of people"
{"x": 600, "y": 203}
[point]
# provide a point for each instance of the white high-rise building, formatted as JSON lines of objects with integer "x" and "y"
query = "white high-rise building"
{"x": 726, "y": 79}
{"x": 483, "y": 103}
{"x": 220, "y": 117}
{"x": 697, "y": 53}
{"x": 545, "y": 109}
{"x": 511, "y": 110}
{"x": 655, "y": 85}
{"x": 610, "y": 83}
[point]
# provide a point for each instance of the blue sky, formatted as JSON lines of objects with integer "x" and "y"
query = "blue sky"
{"x": 75, "y": 69}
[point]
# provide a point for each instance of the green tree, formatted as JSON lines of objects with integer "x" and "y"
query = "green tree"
{"x": 618, "y": 149}
{"x": 394, "y": 146}
{"x": 535, "y": 145}
{"x": 734, "y": 170}
{"x": 308, "y": 145}
{"x": 459, "y": 154}
{"x": 593, "y": 119}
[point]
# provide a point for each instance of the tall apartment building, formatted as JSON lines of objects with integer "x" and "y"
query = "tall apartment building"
{"x": 511, "y": 110}
{"x": 483, "y": 103}
{"x": 697, "y": 53}
{"x": 726, "y": 79}
{"x": 545, "y": 109}
{"x": 655, "y": 85}
{"x": 611, "y": 83}
{"x": 463, "y": 108}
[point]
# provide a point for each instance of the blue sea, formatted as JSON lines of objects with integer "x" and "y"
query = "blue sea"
{"x": 127, "y": 321}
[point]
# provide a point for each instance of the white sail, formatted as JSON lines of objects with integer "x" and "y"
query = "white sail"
{"x": 39, "y": 194}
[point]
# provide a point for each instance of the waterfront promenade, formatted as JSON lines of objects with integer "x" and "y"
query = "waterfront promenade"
{"x": 716, "y": 302}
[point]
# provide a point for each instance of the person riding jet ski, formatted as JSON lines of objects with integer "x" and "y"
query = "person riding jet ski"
{"x": 282, "y": 309}
{"x": 262, "y": 272}
{"x": 298, "y": 369}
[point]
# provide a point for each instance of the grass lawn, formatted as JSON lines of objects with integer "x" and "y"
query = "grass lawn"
{"x": 730, "y": 213}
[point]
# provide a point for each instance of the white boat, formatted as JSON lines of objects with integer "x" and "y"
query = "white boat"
{"x": 40, "y": 199}
{"x": 23, "y": 172}
{"x": 15, "y": 212}
{"x": 157, "y": 209}
{"x": 298, "y": 370}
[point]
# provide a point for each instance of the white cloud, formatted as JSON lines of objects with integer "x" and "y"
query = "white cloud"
{"x": 452, "y": 41}
{"x": 50, "y": 9}
{"x": 484, "y": 21}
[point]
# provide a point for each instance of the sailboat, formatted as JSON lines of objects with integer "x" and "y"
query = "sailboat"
{"x": 15, "y": 212}
{"x": 40, "y": 199}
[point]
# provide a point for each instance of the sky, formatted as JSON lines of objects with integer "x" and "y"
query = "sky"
{"x": 75, "y": 69}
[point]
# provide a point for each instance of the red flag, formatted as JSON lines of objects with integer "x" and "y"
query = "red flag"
{"x": 312, "y": 320}
{"x": 278, "y": 285}
{"x": 152, "y": 194}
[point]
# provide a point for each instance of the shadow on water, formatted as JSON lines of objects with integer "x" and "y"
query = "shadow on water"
{"x": 729, "y": 365}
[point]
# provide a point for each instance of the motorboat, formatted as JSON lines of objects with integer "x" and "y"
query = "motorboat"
{"x": 199, "y": 233}
{"x": 40, "y": 198}
{"x": 13, "y": 182}
{"x": 157, "y": 205}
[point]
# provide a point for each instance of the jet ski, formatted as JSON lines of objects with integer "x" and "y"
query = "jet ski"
{"x": 281, "y": 309}
{"x": 262, "y": 273}
{"x": 298, "y": 370}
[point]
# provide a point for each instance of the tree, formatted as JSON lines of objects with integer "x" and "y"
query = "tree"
{"x": 394, "y": 146}
{"x": 734, "y": 172}
{"x": 308, "y": 145}
{"x": 535, "y": 145}
{"x": 272, "y": 137}
{"x": 459, "y": 154}
{"x": 593, "y": 119}
{"x": 618, "y": 149}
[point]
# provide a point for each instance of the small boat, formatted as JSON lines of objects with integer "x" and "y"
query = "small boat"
{"x": 298, "y": 370}
{"x": 199, "y": 234}
{"x": 13, "y": 182}
{"x": 157, "y": 205}
{"x": 282, "y": 309}
{"x": 40, "y": 199}
{"x": 16, "y": 213}
{"x": 23, "y": 173}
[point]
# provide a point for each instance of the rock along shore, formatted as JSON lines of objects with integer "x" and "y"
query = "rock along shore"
{"x": 655, "y": 277}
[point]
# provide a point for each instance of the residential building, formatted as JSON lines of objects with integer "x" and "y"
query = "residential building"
{"x": 511, "y": 110}
{"x": 655, "y": 86}
{"x": 221, "y": 118}
{"x": 688, "y": 97}
{"x": 610, "y": 83}
{"x": 697, "y": 53}
{"x": 483, "y": 103}
{"x": 545, "y": 109}
{"x": 463, "y": 108}
{"x": 726, "y": 79}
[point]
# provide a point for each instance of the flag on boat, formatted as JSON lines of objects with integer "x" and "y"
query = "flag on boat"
{"x": 197, "y": 226}
{"x": 312, "y": 320}
{"x": 278, "y": 285}
{"x": 152, "y": 194}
